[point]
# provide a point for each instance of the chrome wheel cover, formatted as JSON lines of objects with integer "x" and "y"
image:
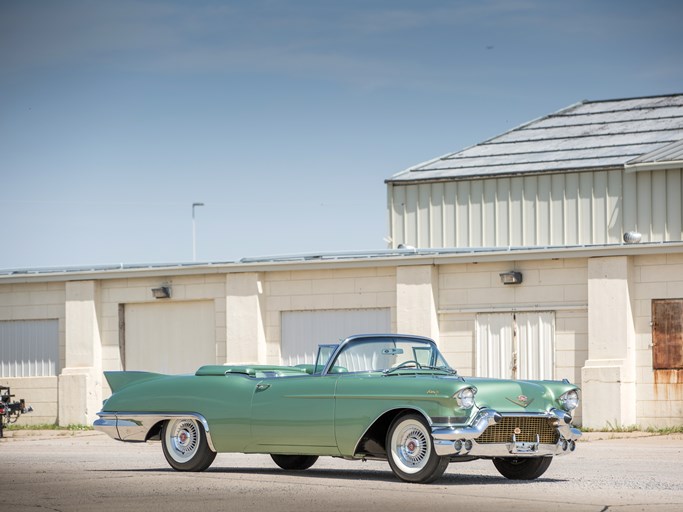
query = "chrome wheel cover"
{"x": 410, "y": 446}
{"x": 182, "y": 439}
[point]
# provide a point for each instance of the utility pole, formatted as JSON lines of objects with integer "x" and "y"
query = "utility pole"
{"x": 194, "y": 232}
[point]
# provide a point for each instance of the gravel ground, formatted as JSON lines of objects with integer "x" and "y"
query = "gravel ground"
{"x": 89, "y": 471}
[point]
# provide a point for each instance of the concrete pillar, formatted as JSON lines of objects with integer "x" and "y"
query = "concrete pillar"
{"x": 80, "y": 382}
{"x": 417, "y": 289}
{"x": 608, "y": 377}
{"x": 245, "y": 330}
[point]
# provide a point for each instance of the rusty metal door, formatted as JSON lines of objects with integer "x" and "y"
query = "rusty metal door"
{"x": 667, "y": 334}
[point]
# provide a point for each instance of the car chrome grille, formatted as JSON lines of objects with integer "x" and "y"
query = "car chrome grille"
{"x": 525, "y": 429}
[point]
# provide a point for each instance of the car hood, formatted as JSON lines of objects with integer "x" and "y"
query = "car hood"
{"x": 518, "y": 395}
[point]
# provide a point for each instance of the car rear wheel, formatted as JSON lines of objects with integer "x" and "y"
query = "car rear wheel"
{"x": 183, "y": 441}
{"x": 410, "y": 450}
{"x": 526, "y": 468}
{"x": 294, "y": 462}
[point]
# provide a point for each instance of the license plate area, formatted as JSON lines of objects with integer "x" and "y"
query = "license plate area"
{"x": 523, "y": 446}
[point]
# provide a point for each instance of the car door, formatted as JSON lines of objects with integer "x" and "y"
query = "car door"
{"x": 294, "y": 415}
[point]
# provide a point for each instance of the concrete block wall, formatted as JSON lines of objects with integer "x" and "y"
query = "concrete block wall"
{"x": 40, "y": 393}
{"x": 550, "y": 285}
{"x": 36, "y": 301}
{"x": 659, "y": 393}
{"x": 310, "y": 290}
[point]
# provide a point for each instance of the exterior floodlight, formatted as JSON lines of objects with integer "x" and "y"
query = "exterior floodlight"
{"x": 511, "y": 277}
{"x": 163, "y": 292}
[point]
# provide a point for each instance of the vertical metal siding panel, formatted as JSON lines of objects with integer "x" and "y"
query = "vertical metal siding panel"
{"x": 411, "y": 215}
{"x": 543, "y": 211}
{"x": 529, "y": 199}
{"x": 463, "y": 214}
{"x": 615, "y": 208}
{"x": 585, "y": 205}
{"x": 599, "y": 217}
{"x": 503, "y": 212}
{"x": 516, "y": 211}
{"x": 423, "y": 215}
{"x": 571, "y": 209}
{"x": 659, "y": 208}
{"x": 450, "y": 201}
{"x": 476, "y": 207}
{"x": 630, "y": 203}
{"x": 436, "y": 238}
{"x": 489, "y": 214}
{"x": 673, "y": 205}
{"x": 557, "y": 232}
{"x": 644, "y": 191}
{"x": 398, "y": 227}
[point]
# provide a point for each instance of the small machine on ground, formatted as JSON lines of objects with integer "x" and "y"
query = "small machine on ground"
{"x": 10, "y": 410}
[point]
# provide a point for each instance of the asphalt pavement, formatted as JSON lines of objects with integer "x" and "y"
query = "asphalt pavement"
{"x": 89, "y": 471}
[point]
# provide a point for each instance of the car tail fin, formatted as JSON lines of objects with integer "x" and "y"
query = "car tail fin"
{"x": 120, "y": 380}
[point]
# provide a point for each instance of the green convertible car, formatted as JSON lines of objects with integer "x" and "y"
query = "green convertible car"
{"x": 390, "y": 397}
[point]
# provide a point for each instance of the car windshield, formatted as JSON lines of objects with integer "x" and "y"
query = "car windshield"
{"x": 389, "y": 355}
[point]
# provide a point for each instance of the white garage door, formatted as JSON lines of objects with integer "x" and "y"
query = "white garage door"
{"x": 303, "y": 331}
{"x": 29, "y": 348}
{"x": 171, "y": 337}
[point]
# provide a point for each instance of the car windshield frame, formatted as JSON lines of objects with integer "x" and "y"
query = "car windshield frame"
{"x": 387, "y": 347}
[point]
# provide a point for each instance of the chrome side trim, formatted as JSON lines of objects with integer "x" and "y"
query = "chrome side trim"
{"x": 134, "y": 426}
{"x": 462, "y": 441}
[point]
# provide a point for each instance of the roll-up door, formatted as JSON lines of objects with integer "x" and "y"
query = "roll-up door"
{"x": 303, "y": 331}
{"x": 29, "y": 348}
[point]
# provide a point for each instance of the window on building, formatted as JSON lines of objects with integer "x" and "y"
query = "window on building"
{"x": 667, "y": 334}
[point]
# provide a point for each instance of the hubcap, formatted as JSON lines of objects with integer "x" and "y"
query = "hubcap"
{"x": 410, "y": 447}
{"x": 183, "y": 439}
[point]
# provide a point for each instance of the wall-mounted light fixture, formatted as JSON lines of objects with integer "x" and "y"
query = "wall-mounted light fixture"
{"x": 163, "y": 292}
{"x": 511, "y": 277}
{"x": 632, "y": 237}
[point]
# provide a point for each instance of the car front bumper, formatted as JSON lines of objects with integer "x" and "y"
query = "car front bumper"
{"x": 462, "y": 441}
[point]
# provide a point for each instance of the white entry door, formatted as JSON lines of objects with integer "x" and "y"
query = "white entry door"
{"x": 516, "y": 345}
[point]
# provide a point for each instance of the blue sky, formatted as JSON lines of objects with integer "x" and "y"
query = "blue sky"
{"x": 284, "y": 118}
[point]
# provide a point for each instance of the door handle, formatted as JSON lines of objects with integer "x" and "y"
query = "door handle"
{"x": 262, "y": 387}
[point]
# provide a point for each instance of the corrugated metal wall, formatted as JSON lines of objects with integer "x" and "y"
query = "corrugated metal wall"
{"x": 538, "y": 210}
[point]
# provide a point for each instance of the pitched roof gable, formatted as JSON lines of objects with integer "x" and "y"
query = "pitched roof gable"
{"x": 588, "y": 135}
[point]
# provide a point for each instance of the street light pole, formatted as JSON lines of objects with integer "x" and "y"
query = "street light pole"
{"x": 194, "y": 232}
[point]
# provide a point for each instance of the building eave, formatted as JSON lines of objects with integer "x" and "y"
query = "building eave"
{"x": 328, "y": 261}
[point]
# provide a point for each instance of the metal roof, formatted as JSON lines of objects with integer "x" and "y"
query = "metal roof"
{"x": 588, "y": 135}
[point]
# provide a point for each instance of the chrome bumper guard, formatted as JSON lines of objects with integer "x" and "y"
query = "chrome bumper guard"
{"x": 462, "y": 441}
{"x": 134, "y": 426}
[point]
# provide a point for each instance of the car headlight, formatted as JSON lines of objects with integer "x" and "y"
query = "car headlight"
{"x": 465, "y": 397}
{"x": 569, "y": 400}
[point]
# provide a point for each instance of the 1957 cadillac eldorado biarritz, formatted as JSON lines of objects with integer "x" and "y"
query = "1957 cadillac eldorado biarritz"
{"x": 390, "y": 397}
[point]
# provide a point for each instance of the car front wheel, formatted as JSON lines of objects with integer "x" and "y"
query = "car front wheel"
{"x": 410, "y": 450}
{"x": 183, "y": 441}
{"x": 526, "y": 468}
